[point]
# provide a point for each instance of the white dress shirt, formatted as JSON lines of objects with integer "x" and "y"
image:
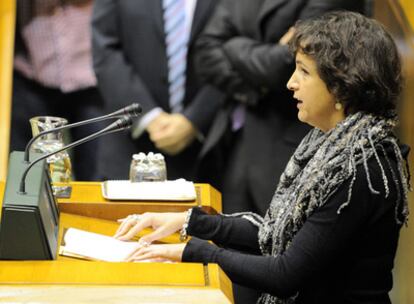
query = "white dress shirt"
{"x": 146, "y": 119}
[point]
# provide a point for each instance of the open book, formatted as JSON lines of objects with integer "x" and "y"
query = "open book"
{"x": 174, "y": 190}
{"x": 92, "y": 246}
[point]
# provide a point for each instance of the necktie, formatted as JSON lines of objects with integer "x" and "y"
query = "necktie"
{"x": 176, "y": 38}
{"x": 238, "y": 116}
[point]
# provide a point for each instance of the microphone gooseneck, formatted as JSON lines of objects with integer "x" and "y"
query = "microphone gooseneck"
{"x": 120, "y": 124}
{"x": 132, "y": 110}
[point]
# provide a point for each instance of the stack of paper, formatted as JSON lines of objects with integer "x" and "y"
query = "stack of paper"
{"x": 177, "y": 190}
{"x": 92, "y": 246}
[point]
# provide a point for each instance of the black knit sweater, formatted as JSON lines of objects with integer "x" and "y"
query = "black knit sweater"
{"x": 335, "y": 258}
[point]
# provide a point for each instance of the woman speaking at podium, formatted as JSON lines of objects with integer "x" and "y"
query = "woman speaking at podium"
{"x": 331, "y": 231}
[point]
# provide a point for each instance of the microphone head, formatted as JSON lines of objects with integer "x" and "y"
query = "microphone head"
{"x": 134, "y": 110}
{"x": 125, "y": 122}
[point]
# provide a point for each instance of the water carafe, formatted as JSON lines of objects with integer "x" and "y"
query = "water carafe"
{"x": 60, "y": 167}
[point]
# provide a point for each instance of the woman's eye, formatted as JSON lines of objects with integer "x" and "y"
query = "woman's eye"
{"x": 304, "y": 71}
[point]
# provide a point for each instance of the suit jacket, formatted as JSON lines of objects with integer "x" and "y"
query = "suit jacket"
{"x": 239, "y": 53}
{"x": 129, "y": 55}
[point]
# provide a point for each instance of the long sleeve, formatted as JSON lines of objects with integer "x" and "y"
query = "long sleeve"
{"x": 269, "y": 64}
{"x": 261, "y": 60}
{"x": 237, "y": 62}
{"x": 203, "y": 108}
{"x": 266, "y": 65}
{"x": 326, "y": 239}
{"x": 122, "y": 69}
{"x": 214, "y": 65}
{"x": 117, "y": 80}
{"x": 231, "y": 232}
{"x": 232, "y": 60}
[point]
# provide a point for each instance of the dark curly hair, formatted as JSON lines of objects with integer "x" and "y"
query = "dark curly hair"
{"x": 356, "y": 58}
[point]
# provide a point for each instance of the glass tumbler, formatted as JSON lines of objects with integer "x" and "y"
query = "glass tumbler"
{"x": 60, "y": 166}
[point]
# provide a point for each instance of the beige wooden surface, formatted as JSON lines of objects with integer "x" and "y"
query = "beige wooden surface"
{"x": 69, "y": 280}
{"x": 408, "y": 7}
{"x": 7, "y": 17}
{"x": 87, "y": 199}
{"x": 68, "y": 294}
{"x": 74, "y": 281}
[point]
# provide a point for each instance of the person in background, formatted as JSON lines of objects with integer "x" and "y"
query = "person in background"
{"x": 331, "y": 231}
{"x": 242, "y": 53}
{"x": 53, "y": 74}
{"x": 143, "y": 52}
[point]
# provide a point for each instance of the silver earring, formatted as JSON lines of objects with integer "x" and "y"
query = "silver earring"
{"x": 338, "y": 106}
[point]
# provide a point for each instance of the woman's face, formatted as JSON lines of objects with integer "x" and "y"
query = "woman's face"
{"x": 315, "y": 103}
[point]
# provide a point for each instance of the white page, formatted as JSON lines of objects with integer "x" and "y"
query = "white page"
{"x": 177, "y": 190}
{"x": 97, "y": 246}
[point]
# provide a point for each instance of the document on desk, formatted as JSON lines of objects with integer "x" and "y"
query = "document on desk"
{"x": 174, "y": 190}
{"x": 93, "y": 246}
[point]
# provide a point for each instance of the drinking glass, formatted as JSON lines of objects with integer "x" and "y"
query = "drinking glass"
{"x": 60, "y": 166}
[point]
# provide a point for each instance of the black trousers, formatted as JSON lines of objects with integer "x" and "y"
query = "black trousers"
{"x": 32, "y": 99}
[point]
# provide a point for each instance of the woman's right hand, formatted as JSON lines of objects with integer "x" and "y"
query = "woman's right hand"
{"x": 163, "y": 224}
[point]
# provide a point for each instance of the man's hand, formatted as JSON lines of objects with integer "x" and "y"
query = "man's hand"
{"x": 172, "y": 133}
{"x": 158, "y": 123}
{"x": 287, "y": 36}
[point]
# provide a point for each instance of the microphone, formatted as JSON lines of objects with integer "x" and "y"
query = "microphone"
{"x": 122, "y": 123}
{"x": 132, "y": 110}
{"x": 29, "y": 226}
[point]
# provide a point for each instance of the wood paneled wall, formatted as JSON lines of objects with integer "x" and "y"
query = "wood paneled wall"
{"x": 408, "y": 7}
{"x": 7, "y": 20}
{"x": 398, "y": 17}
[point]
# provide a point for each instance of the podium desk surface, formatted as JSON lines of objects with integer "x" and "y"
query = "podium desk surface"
{"x": 68, "y": 280}
{"x": 87, "y": 199}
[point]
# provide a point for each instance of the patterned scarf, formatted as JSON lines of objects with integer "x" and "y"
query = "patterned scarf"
{"x": 319, "y": 166}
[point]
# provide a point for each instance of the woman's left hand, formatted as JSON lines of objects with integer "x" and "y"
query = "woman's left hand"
{"x": 158, "y": 253}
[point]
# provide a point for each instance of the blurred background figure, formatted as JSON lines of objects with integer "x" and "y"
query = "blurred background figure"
{"x": 243, "y": 53}
{"x": 143, "y": 52}
{"x": 53, "y": 74}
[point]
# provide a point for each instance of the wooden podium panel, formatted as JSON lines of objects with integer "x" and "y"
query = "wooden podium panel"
{"x": 69, "y": 280}
{"x": 87, "y": 200}
{"x": 68, "y": 294}
{"x": 7, "y": 24}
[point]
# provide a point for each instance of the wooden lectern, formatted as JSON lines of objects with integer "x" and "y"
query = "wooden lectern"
{"x": 87, "y": 199}
{"x": 7, "y": 24}
{"x": 68, "y": 280}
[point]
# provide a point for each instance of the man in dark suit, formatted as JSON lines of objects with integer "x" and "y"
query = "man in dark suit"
{"x": 130, "y": 40}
